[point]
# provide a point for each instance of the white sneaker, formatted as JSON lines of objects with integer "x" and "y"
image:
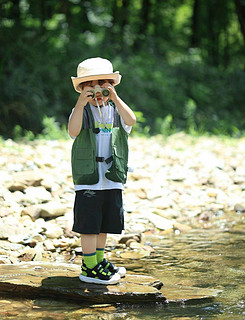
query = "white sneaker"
{"x": 98, "y": 275}
{"x": 113, "y": 269}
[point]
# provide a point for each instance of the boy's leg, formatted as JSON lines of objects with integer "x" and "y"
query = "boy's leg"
{"x": 88, "y": 242}
{"x": 92, "y": 271}
{"x": 100, "y": 246}
{"x": 93, "y": 248}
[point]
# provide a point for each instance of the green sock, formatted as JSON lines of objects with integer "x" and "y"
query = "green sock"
{"x": 90, "y": 260}
{"x": 100, "y": 254}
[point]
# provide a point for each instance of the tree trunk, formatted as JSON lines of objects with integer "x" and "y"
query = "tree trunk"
{"x": 124, "y": 14}
{"x": 195, "y": 15}
{"x": 240, "y": 8}
{"x": 213, "y": 46}
{"x": 15, "y": 12}
{"x": 145, "y": 10}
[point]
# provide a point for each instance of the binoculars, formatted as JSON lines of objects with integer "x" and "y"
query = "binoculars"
{"x": 103, "y": 91}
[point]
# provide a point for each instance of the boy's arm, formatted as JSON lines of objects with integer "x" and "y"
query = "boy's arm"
{"x": 76, "y": 119}
{"x": 124, "y": 110}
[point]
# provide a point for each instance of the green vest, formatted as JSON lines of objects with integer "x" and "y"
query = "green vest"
{"x": 84, "y": 153}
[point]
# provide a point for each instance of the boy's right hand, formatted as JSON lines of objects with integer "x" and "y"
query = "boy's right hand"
{"x": 85, "y": 96}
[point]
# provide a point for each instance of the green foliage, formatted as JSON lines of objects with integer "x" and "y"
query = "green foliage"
{"x": 182, "y": 63}
{"x": 20, "y": 134}
{"x": 52, "y": 130}
{"x": 189, "y": 113}
{"x": 164, "y": 126}
{"x": 140, "y": 128}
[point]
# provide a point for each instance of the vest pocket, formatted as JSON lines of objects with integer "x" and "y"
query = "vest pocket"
{"x": 119, "y": 160}
{"x": 118, "y": 170}
{"x": 84, "y": 161}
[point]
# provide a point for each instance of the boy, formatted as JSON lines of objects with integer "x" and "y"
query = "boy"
{"x": 100, "y": 123}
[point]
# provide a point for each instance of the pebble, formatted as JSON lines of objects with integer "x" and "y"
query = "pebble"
{"x": 177, "y": 184}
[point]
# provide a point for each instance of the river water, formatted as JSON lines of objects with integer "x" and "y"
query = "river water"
{"x": 210, "y": 259}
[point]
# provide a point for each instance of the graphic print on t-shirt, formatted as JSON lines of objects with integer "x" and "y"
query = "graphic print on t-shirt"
{"x": 103, "y": 128}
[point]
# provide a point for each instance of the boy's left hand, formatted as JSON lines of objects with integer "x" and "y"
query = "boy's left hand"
{"x": 113, "y": 96}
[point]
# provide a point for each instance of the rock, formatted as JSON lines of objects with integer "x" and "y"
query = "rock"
{"x": 141, "y": 193}
{"x": 49, "y": 183}
{"x": 10, "y": 226}
{"x": 40, "y": 224}
{"x": 34, "y": 195}
{"x": 205, "y": 216}
{"x": 69, "y": 233}
{"x": 131, "y": 243}
{"x": 159, "y": 222}
{"x": 38, "y": 238}
{"x": 4, "y": 259}
{"x": 154, "y": 193}
{"x": 39, "y": 253}
{"x": 53, "y": 231}
{"x": 33, "y": 280}
{"x": 76, "y": 243}
{"x": 212, "y": 192}
{"x": 51, "y": 209}
{"x": 16, "y": 186}
{"x": 4, "y": 212}
{"x": 181, "y": 227}
{"x": 33, "y": 211}
{"x": 163, "y": 203}
{"x": 18, "y": 196}
{"x": 27, "y": 254}
{"x": 239, "y": 208}
{"x": 134, "y": 255}
{"x": 10, "y": 246}
{"x": 184, "y": 294}
{"x": 78, "y": 251}
{"x": 49, "y": 245}
{"x": 127, "y": 237}
{"x": 23, "y": 179}
{"x": 63, "y": 243}
{"x": 19, "y": 238}
{"x": 61, "y": 280}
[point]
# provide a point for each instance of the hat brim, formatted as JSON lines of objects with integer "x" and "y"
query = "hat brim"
{"x": 115, "y": 76}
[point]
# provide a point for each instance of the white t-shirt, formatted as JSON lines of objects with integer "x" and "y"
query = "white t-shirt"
{"x": 103, "y": 144}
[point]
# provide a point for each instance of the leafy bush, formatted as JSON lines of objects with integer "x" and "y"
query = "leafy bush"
{"x": 168, "y": 95}
{"x": 52, "y": 130}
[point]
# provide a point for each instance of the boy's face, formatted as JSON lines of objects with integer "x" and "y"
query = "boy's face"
{"x": 89, "y": 85}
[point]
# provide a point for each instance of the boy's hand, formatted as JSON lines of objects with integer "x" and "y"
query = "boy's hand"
{"x": 113, "y": 96}
{"x": 85, "y": 96}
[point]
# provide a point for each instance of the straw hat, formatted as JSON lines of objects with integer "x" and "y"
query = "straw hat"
{"x": 95, "y": 69}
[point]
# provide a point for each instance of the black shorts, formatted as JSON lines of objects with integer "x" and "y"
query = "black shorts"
{"x": 98, "y": 211}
